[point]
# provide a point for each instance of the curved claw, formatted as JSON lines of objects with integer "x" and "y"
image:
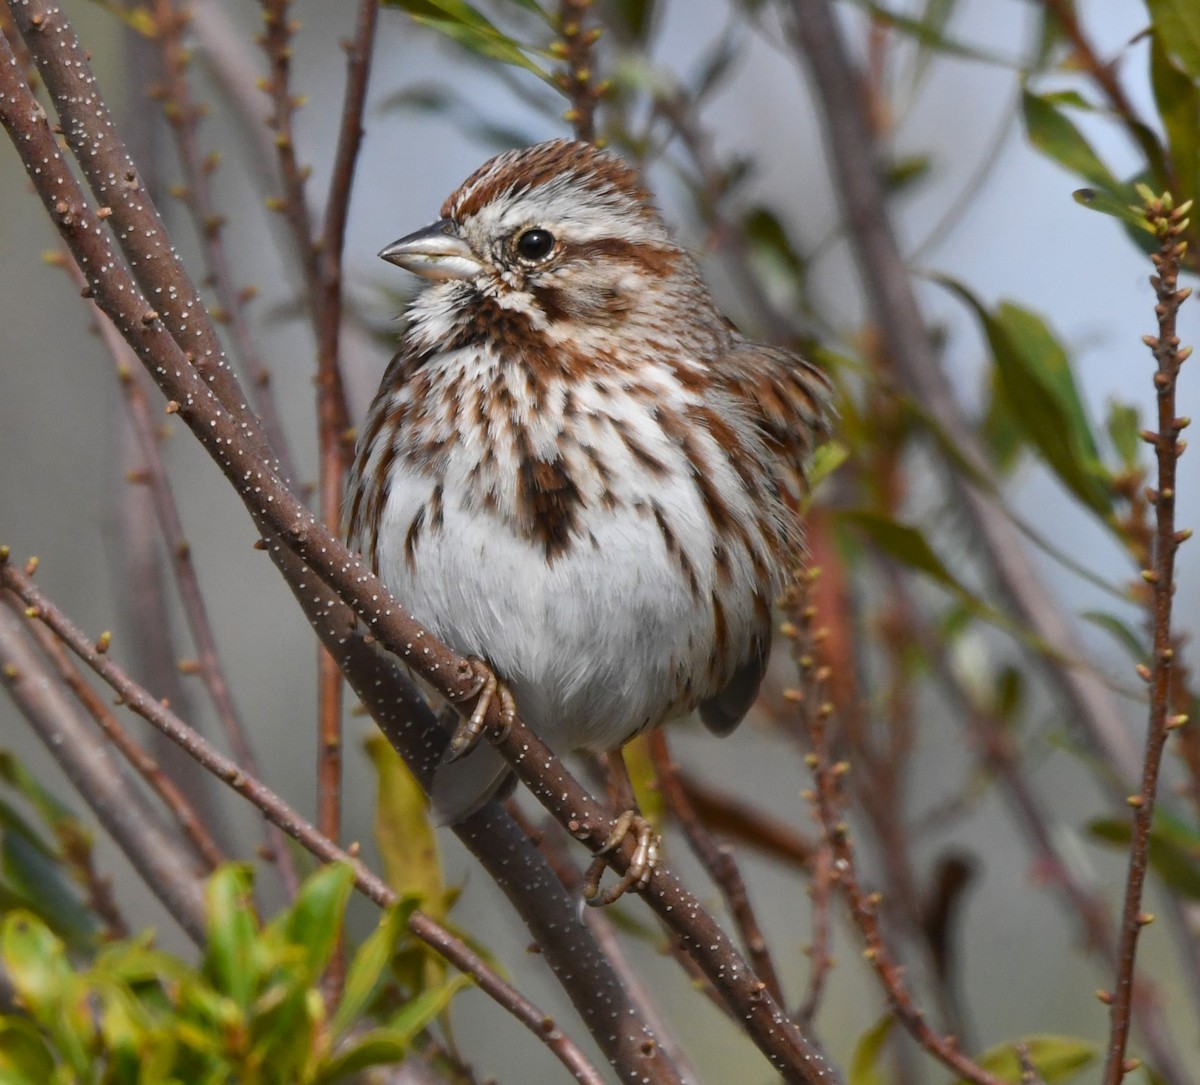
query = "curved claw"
{"x": 487, "y": 687}
{"x": 641, "y": 865}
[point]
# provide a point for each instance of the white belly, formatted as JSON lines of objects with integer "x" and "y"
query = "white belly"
{"x": 592, "y": 643}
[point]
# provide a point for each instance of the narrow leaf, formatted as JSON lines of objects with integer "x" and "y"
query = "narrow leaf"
{"x": 1177, "y": 97}
{"x": 407, "y": 843}
{"x": 1172, "y": 859}
{"x": 1177, "y": 23}
{"x": 1120, "y": 632}
{"x": 314, "y": 922}
{"x": 367, "y": 967}
{"x": 467, "y": 26}
{"x": 232, "y": 930}
{"x": 1056, "y": 136}
{"x": 904, "y": 543}
{"x": 1040, "y": 388}
{"x": 866, "y": 1067}
{"x": 1055, "y": 1058}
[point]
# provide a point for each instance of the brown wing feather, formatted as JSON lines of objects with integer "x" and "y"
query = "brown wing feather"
{"x": 790, "y": 397}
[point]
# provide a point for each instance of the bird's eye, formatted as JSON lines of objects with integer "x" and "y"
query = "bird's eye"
{"x": 535, "y": 245}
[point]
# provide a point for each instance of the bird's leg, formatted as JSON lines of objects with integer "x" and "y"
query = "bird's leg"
{"x": 487, "y": 688}
{"x": 629, "y": 822}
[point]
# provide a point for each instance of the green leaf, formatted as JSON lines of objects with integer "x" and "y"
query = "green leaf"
{"x": 1040, "y": 388}
{"x": 928, "y": 32}
{"x": 368, "y": 964}
{"x": 42, "y": 883}
{"x": 865, "y": 1068}
{"x": 49, "y": 809}
{"x": 37, "y": 966}
{"x": 1054, "y": 134}
{"x": 1124, "y": 423}
{"x": 315, "y": 920}
{"x": 24, "y": 1056}
{"x": 904, "y": 543}
{"x": 231, "y": 961}
{"x": 407, "y": 843}
{"x": 906, "y": 171}
{"x": 1055, "y": 1058}
{"x": 1120, "y": 632}
{"x": 471, "y": 29}
{"x": 393, "y": 1043}
{"x": 1120, "y": 208}
{"x": 827, "y": 458}
{"x": 1177, "y": 97}
{"x": 1177, "y": 23}
{"x": 1173, "y": 857}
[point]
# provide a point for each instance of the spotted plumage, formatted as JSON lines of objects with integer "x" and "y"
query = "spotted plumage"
{"x": 575, "y": 469}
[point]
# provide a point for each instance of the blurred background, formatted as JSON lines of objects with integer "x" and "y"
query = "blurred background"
{"x": 982, "y": 207}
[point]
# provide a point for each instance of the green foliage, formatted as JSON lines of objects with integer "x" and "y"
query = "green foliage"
{"x": 1054, "y": 1058}
{"x": 1036, "y": 397}
{"x": 34, "y": 872}
{"x": 867, "y": 1067}
{"x": 470, "y": 28}
{"x": 254, "y": 1012}
{"x": 1174, "y": 848}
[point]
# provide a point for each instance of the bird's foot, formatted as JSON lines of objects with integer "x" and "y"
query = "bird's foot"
{"x": 641, "y": 866}
{"x": 486, "y": 689}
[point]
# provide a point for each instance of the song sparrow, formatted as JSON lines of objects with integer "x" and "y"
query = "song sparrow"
{"x": 575, "y": 468}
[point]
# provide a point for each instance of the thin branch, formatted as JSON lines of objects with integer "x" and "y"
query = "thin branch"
{"x": 577, "y": 80}
{"x": 98, "y": 776}
{"x": 827, "y": 801}
{"x": 276, "y": 42}
{"x": 138, "y": 700}
{"x": 143, "y": 764}
{"x": 718, "y": 861}
{"x": 1171, "y": 225}
{"x": 333, "y": 418}
{"x": 184, "y": 115}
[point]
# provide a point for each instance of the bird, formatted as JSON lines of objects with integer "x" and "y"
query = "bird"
{"x": 576, "y": 471}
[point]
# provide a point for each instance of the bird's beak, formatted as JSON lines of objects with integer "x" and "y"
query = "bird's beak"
{"x": 435, "y": 252}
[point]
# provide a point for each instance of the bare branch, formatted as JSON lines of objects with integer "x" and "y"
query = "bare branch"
{"x": 98, "y": 777}
{"x": 1170, "y": 224}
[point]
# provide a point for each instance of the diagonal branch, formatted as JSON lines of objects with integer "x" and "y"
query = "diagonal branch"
{"x": 97, "y": 775}
{"x": 428, "y": 930}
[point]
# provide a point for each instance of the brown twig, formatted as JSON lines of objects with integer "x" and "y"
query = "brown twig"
{"x": 577, "y": 80}
{"x": 818, "y": 950}
{"x": 827, "y": 800}
{"x": 127, "y": 746}
{"x": 90, "y": 766}
{"x": 333, "y": 418}
{"x": 184, "y": 116}
{"x": 276, "y": 42}
{"x": 1170, "y": 224}
{"x": 717, "y": 860}
{"x": 745, "y": 823}
{"x": 138, "y": 700}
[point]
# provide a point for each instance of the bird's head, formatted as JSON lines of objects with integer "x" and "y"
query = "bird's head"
{"x": 560, "y": 230}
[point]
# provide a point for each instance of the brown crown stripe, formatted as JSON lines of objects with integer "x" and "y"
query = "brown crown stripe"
{"x": 525, "y": 170}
